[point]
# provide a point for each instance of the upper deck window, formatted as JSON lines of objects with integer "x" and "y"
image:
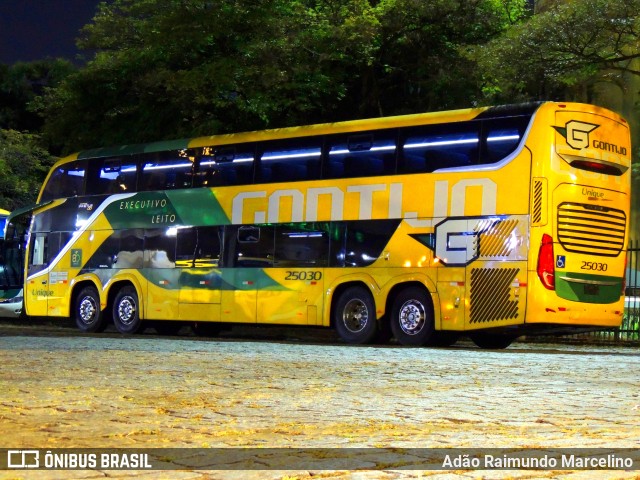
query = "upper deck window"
{"x": 225, "y": 165}
{"x": 366, "y": 154}
{"x": 432, "y": 147}
{"x": 502, "y": 136}
{"x": 66, "y": 181}
{"x": 166, "y": 170}
{"x": 286, "y": 161}
{"x": 111, "y": 175}
{"x": 487, "y": 139}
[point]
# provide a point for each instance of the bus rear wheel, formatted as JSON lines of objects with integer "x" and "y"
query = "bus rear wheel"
{"x": 412, "y": 317}
{"x": 126, "y": 312}
{"x": 87, "y": 313}
{"x": 354, "y": 315}
{"x": 493, "y": 341}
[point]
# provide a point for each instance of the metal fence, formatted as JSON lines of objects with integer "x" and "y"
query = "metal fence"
{"x": 629, "y": 332}
{"x": 630, "y": 329}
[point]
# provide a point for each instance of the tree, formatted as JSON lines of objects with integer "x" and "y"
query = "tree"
{"x": 21, "y": 84}
{"x": 571, "y": 46}
{"x": 171, "y": 68}
{"x": 24, "y": 165}
{"x": 404, "y": 56}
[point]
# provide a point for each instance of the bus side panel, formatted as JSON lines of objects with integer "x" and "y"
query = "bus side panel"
{"x": 452, "y": 294}
{"x": 497, "y": 294}
{"x": 200, "y": 295}
{"x": 296, "y": 300}
{"x": 163, "y": 288}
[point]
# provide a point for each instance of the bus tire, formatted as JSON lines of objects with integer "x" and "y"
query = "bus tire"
{"x": 87, "y": 313}
{"x": 355, "y": 316}
{"x": 493, "y": 341}
{"x": 412, "y": 317}
{"x": 126, "y": 311}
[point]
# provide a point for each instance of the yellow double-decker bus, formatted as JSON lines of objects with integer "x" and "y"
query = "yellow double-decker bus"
{"x": 488, "y": 222}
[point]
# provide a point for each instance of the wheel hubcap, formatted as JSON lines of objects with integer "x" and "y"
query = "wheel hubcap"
{"x": 87, "y": 310}
{"x": 355, "y": 315}
{"x": 412, "y": 317}
{"x": 126, "y": 310}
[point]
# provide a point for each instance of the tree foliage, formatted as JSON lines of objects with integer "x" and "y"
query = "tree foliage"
{"x": 21, "y": 84}
{"x": 572, "y": 44}
{"x": 175, "y": 68}
{"x": 24, "y": 165}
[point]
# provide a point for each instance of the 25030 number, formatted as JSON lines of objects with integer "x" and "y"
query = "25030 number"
{"x": 600, "y": 267}
{"x": 303, "y": 275}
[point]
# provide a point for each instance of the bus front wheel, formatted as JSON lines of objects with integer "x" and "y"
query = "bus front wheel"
{"x": 354, "y": 315}
{"x": 126, "y": 312}
{"x": 412, "y": 317}
{"x": 87, "y": 313}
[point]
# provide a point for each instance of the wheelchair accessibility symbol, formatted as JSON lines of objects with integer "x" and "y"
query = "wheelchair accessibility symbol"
{"x": 561, "y": 261}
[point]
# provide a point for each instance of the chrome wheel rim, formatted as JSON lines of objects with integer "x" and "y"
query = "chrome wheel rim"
{"x": 412, "y": 317}
{"x": 355, "y": 315}
{"x": 126, "y": 310}
{"x": 87, "y": 310}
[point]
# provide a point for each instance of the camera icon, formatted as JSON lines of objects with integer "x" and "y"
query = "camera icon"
{"x": 23, "y": 459}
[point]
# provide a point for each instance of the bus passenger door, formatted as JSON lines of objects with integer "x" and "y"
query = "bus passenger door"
{"x": 198, "y": 261}
{"x": 162, "y": 277}
{"x": 59, "y": 265}
{"x": 247, "y": 250}
{"x": 47, "y": 277}
{"x": 37, "y": 284}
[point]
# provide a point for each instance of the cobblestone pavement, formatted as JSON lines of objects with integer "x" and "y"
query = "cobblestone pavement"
{"x": 59, "y": 389}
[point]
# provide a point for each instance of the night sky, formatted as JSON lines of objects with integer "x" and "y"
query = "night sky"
{"x": 37, "y": 29}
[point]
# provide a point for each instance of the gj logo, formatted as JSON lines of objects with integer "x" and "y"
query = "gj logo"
{"x": 76, "y": 258}
{"x": 576, "y": 133}
{"x": 23, "y": 459}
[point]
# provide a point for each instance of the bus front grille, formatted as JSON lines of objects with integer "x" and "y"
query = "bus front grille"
{"x": 591, "y": 229}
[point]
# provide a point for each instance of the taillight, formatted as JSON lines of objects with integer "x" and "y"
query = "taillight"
{"x": 546, "y": 263}
{"x": 599, "y": 167}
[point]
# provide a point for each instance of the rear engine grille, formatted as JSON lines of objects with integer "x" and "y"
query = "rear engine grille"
{"x": 490, "y": 298}
{"x": 536, "y": 217}
{"x": 591, "y": 229}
